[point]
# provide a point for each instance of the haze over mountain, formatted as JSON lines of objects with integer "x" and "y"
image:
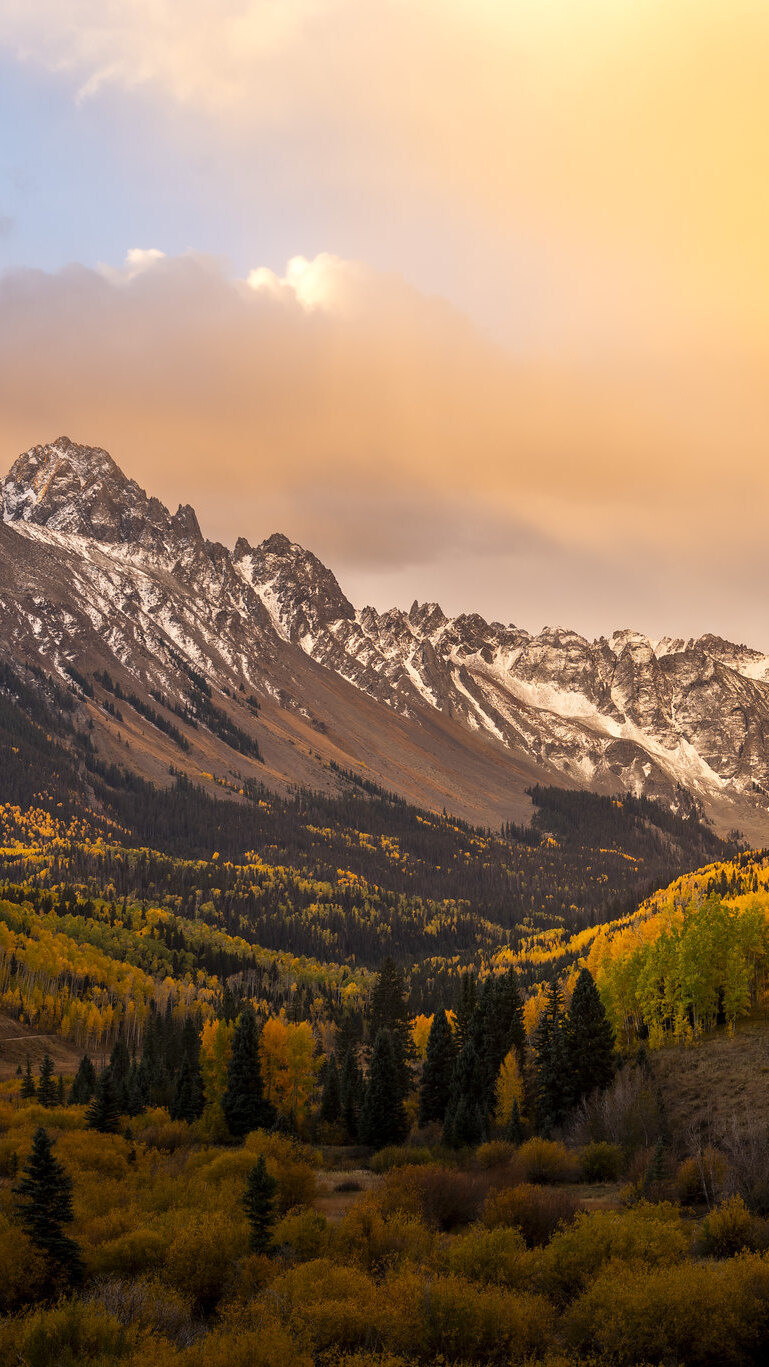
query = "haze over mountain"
{"x": 227, "y": 665}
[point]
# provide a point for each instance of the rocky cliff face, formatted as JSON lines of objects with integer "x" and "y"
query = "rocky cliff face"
{"x": 95, "y": 574}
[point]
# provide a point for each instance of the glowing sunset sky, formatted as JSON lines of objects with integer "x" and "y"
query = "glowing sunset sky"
{"x": 469, "y": 296}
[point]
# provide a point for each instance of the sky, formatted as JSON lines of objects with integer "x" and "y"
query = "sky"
{"x": 470, "y": 297}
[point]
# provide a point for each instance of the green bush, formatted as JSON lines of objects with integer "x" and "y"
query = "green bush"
{"x": 304, "y": 1234}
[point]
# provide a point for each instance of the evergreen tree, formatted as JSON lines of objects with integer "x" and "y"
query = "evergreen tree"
{"x": 84, "y": 1084}
{"x": 103, "y": 1114}
{"x": 589, "y": 1040}
{"x": 188, "y": 1100}
{"x": 350, "y": 1094}
{"x": 259, "y": 1205}
{"x": 331, "y": 1099}
{"x": 465, "y": 1009}
{"x": 119, "y": 1066}
{"x": 382, "y": 1116}
{"x": 244, "y": 1104}
{"x": 438, "y": 1070}
{"x": 514, "y": 1132}
{"x": 552, "y": 1079}
{"x": 46, "y": 1086}
{"x": 61, "y": 1095}
{"x": 496, "y": 1028}
{"x": 43, "y": 1203}
{"x": 388, "y": 1011}
{"x": 465, "y": 1121}
{"x": 134, "y": 1094}
{"x": 28, "y": 1089}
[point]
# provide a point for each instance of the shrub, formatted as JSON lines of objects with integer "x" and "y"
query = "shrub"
{"x": 536, "y": 1211}
{"x": 448, "y": 1316}
{"x": 146, "y": 1305}
{"x": 627, "y": 1113}
{"x": 496, "y": 1154}
{"x": 70, "y": 1334}
{"x": 201, "y": 1258}
{"x": 653, "y": 1235}
{"x": 399, "y": 1156}
{"x": 303, "y": 1234}
{"x": 703, "y": 1177}
{"x": 601, "y": 1161}
{"x": 545, "y": 1160}
{"x": 138, "y": 1250}
{"x": 236, "y": 1345}
{"x": 333, "y": 1306}
{"x": 375, "y": 1241}
{"x": 496, "y": 1255}
{"x": 727, "y": 1229}
{"x": 22, "y": 1270}
{"x": 701, "y": 1315}
{"x": 105, "y": 1154}
{"x": 442, "y": 1197}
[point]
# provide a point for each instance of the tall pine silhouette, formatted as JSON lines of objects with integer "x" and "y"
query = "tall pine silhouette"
{"x": 43, "y": 1204}
{"x": 438, "y": 1070}
{"x": 244, "y": 1104}
{"x": 553, "y": 1090}
{"x": 388, "y": 1011}
{"x": 382, "y": 1117}
{"x": 589, "y": 1040}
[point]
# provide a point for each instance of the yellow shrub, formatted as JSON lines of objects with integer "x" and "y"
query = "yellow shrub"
{"x": 398, "y": 1156}
{"x": 703, "y": 1315}
{"x": 334, "y": 1306}
{"x": 448, "y": 1316}
{"x": 576, "y": 1255}
{"x": 496, "y": 1154}
{"x": 269, "y": 1345}
{"x": 727, "y": 1229}
{"x": 136, "y": 1251}
{"x": 489, "y": 1255}
{"x": 601, "y": 1162}
{"x": 545, "y": 1160}
{"x": 376, "y": 1240}
{"x": 304, "y": 1234}
{"x": 22, "y": 1271}
{"x": 89, "y": 1151}
{"x": 703, "y": 1178}
{"x": 201, "y": 1258}
{"x": 69, "y": 1333}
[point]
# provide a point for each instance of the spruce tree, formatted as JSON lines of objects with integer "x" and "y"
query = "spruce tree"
{"x": 61, "y": 1094}
{"x": 84, "y": 1084}
{"x": 589, "y": 1040}
{"x": 388, "y": 1011}
{"x": 382, "y": 1116}
{"x": 466, "y": 1116}
{"x": 552, "y": 1078}
{"x": 496, "y": 1028}
{"x": 188, "y": 1100}
{"x": 120, "y": 1066}
{"x": 438, "y": 1070}
{"x": 43, "y": 1203}
{"x": 331, "y": 1100}
{"x": 259, "y": 1205}
{"x": 244, "y": 1104}
{"x": 46, "y": 1086}
{"x": 465, "y": 1009}
{"x": 350, "y": 1094}
{"x": 514, "y": 1132}
{"x": 103, "y": 1114}
{"x": 28, "y": 1089}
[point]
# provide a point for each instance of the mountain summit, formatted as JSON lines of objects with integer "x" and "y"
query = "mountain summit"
{"x": 98, "y": 579}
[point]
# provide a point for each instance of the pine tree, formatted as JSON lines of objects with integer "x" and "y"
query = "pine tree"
{"x": 120, "y": 1066}
{"x": 84, "y": 1084}
{"x": 438, "y": 1071}
{"x": 388, "y": 1011}
{"x": 61, "y": 1095}
{"x": 28, "y": 1089}
{"x": 46, "y": 1086}
{"x": 589, "y": 1040}
{"x": 465, "y": 1010}
{"x": 259, "y": 1205}
{"x": 515, "y": 1125}
{"x": 103, "y": 1114}
{"x": 465, "y": 1121}
{"x": 43, "y": 1203}
{"x": 188, "y": 1099}
{"x": 350, "y": 1094}
{"x": 244, "y": 1105}
{"x": 331, "y": 1100}
{"x": 382, "y": 1117}
{"x": 134, "y": 1095}
{"x": 496, "y": 1028}
{"x": 552, "y": 1078}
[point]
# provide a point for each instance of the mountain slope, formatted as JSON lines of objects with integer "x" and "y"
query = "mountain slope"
{"x": 253, "y": 664}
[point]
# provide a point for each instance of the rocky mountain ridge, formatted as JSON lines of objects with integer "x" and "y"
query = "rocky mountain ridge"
{"x": 96, "y": 576}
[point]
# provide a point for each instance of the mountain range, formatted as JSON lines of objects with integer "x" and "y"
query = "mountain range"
{"x": 183, "y": 656}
